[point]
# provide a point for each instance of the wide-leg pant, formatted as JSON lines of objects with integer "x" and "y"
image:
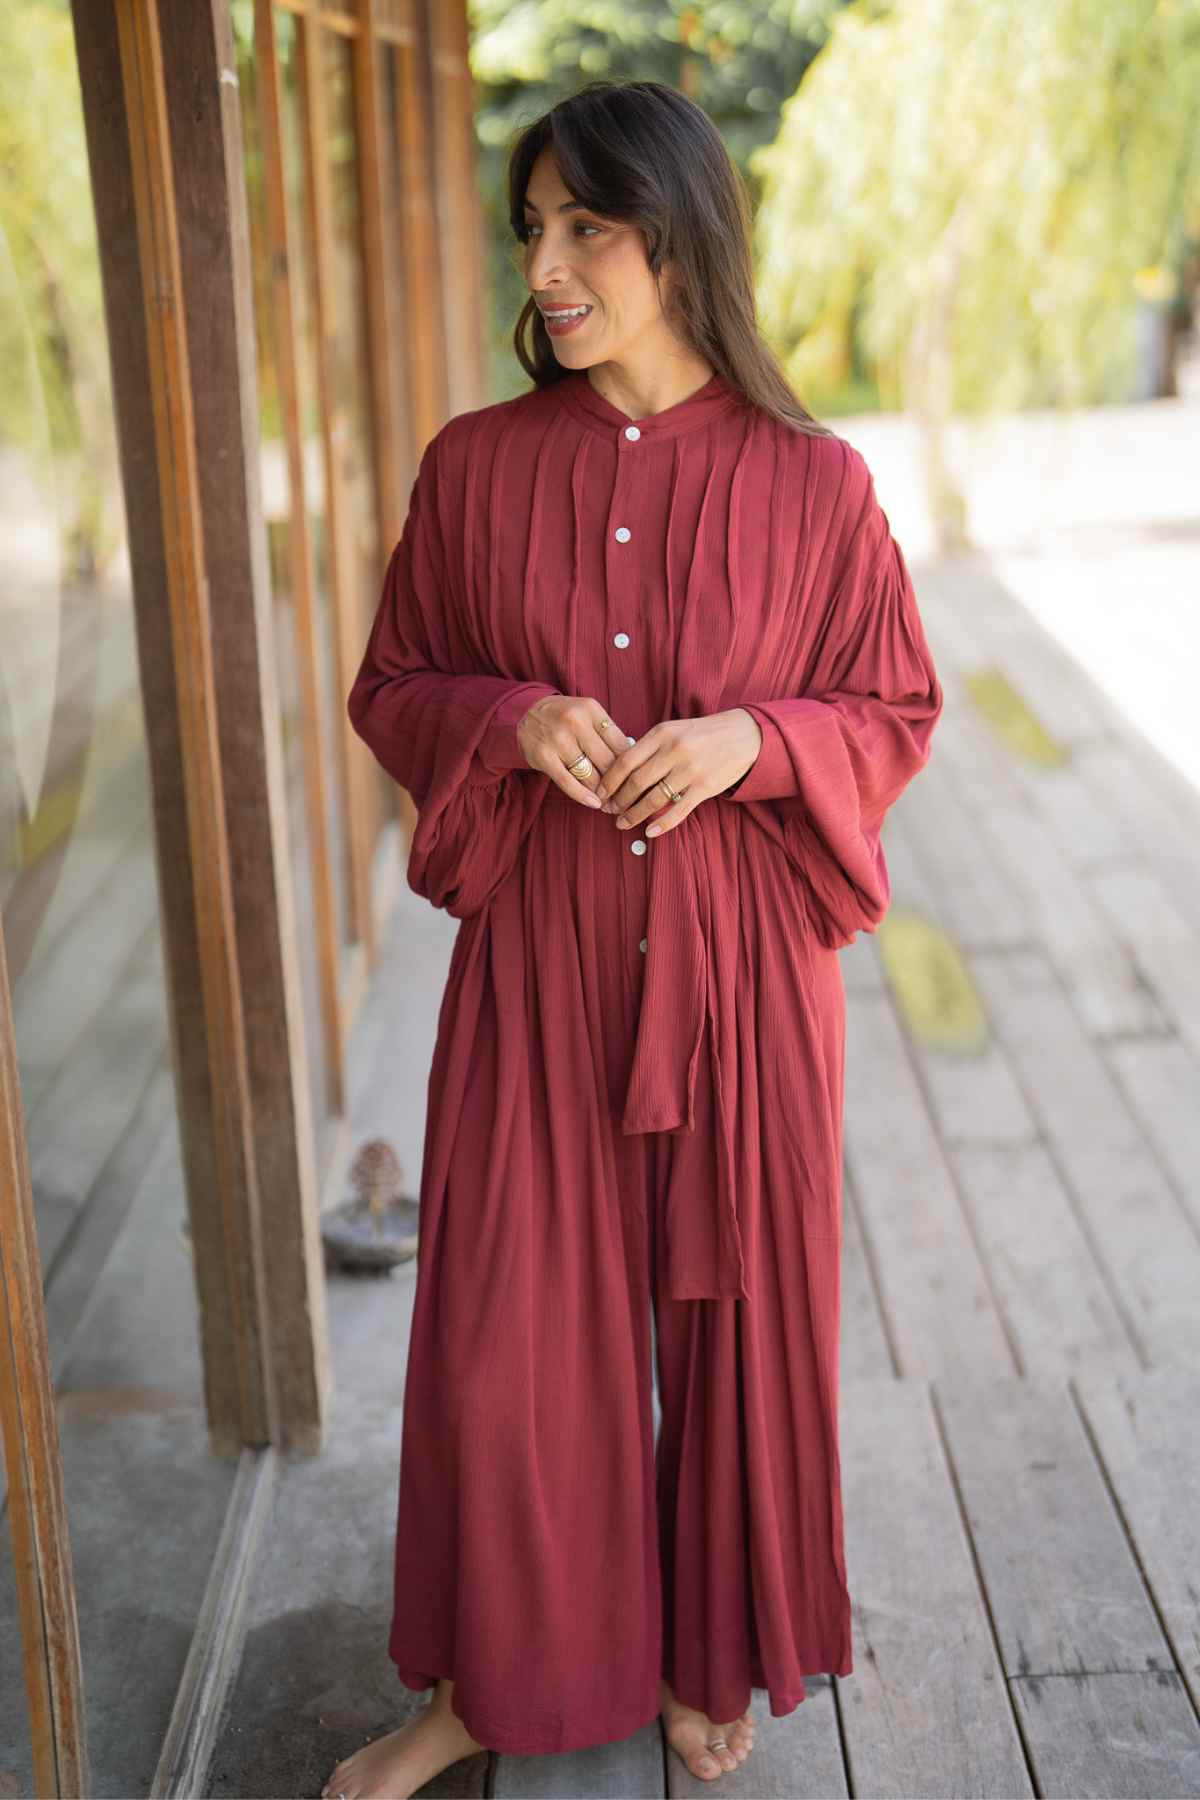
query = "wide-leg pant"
{"x": 554, "y": 1556}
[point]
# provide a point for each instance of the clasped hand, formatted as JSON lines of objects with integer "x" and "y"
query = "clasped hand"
{"x": 697, "y": 758}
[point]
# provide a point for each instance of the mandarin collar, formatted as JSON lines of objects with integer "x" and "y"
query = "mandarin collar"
{"x": 717, "y": 396}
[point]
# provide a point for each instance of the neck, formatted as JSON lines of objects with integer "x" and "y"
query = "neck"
{"x": 641, "y": 386}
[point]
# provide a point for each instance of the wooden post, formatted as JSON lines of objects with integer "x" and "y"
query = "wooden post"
{"x": 160, "y": 105}
{"x": 37, "y": 1510}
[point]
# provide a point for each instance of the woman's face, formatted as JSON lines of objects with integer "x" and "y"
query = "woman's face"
{"x": 577, "y": 257}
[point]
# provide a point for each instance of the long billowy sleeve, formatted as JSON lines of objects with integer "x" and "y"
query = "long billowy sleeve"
{"x": 442, "y": 730}
{"x": 833, "y": 759}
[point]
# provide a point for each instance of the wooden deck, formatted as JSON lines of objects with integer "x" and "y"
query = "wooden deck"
{"x": 1021, "y": 1301}
{"x": 1021, "y": 1287}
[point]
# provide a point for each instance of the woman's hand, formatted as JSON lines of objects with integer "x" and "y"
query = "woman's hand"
{"x": 558, "y": 729}
{"x": 702, "y": 756}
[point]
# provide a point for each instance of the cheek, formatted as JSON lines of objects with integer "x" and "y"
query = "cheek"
{"x": 623, "y": 281}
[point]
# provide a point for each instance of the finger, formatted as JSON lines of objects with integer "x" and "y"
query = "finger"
{"x": 675, "y": 813}
{"x": 580, "y": 735}
{"x": 643, "y": 793}
{"x": 634, "y": 769}
{"x": 604, "y": 746}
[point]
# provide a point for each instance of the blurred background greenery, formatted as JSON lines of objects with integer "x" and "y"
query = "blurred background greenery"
{"x": 960, "y": 205}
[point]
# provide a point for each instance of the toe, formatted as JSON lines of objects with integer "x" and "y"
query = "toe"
{"x": 706, "y": 1766}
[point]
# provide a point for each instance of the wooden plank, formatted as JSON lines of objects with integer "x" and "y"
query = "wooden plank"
{"x": 426, "y": 339}
{"x": 939, "y": 1309}
{"x": 1062, "y": 911}
{"x": 73, "y": 987}
{"x": 926, "y": 1710}
{"x": 601, "y": 1772}
{"x": 979, "y": 621}
{"x": 1138, "y": 1229}
{"x": 133, "y": 181}
{"x": 1064, "y": 1590}
{"x": 1156, "y": 810}
{"x": 1161, "y": 1080}
{"x": 460, "y": 240}
{"x": 41, "y": 1545}
{"x": 97, "y": 1089}
{"x": 1111, "y": 1737}
{"x": 383, "y": 316}
{"x": 1161, "y": 941}
{"x": 859, "y": 962}
{"x": 98, "y": 1227}
{"x": 322, "y": 751}
{"x": 52, "y": 896}
{"x": 866, "y": 1349}
{"x": 1057, "y": 1303}
{"x": 1062, "y": 1582}
{"x": 1144, "y": 1429}
{"x": 344, "y": 597}
{"x": 797, "y": 1757}
{"x": 971, "y": 1087}
{"x": 977, "y": 900}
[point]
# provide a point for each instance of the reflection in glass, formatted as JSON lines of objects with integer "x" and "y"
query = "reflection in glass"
{"x": 83, "y": 935}
{"x": 354, "y": 434}
{"x": 277, "y": 507}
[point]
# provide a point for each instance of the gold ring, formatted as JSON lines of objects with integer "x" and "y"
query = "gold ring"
{"x": 664, "y": 783}
{"x": 582, "y": 763}
{"x": 604, "y": 725}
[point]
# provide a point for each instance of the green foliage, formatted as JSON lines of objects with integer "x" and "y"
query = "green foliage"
{"x": 55, "y": 401}
{"x": 738, "y": 59}
{"x": 972, "y": 193}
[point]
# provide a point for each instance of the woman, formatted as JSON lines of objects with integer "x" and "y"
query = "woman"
{"x": 650, "y": 664}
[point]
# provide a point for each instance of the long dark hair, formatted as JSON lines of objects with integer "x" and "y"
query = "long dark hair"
{"x": 642, "y": 151}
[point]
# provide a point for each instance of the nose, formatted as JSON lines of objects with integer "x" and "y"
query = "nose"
{"x": 543, "y": 261}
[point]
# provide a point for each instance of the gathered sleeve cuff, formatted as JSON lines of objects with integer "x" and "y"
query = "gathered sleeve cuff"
{"x": 834, "y": 758}
{"x": 443, "y": 729}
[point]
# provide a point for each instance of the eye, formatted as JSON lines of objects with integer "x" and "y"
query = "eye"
{"x": 529, "y": 230}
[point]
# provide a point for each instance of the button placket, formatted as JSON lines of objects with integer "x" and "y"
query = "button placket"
{"x": 622, "y": 534}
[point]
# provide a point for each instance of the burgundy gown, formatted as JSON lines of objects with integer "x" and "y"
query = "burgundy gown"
{"x": 635, "y": 1099}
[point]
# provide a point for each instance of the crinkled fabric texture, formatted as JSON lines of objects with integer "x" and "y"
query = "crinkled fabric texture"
{"x": 636, "y": 1092}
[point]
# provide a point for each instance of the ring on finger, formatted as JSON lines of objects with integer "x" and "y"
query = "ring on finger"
{"x": 664, "y": 783}
{"x": 581, "y": 766}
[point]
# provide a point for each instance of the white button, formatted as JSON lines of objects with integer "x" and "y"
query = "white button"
{"x": 631, "y": 431}
{"x": 630, "y": 740}
{"x": 621, "y": 640}
{"x": 642, "y": 946}
{"x": 638, "y": 846}
{"x": 622, "y": 534}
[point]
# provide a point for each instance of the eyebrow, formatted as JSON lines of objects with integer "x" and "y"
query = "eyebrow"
{"x": 567, "y": 206}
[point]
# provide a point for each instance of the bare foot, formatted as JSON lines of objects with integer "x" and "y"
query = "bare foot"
{"x": 706, "y": 1746}
{"x": 395, "y": 1766}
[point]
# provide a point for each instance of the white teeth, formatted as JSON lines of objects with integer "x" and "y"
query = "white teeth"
{"x": 569, "y": 312}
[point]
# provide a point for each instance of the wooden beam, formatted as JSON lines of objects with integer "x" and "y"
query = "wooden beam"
{"x": 37, "y": 1510}
{"x": 382, "y": 309}
{"x": 173, "y": 449}
{"x": 218, "y": 285}
{"x": 323, "y": 745}
{"x": 161, "y": 111}
{"x": 461, "y": 232}
{"x": 425, "y": 336}
{"x": 344, "y": 596}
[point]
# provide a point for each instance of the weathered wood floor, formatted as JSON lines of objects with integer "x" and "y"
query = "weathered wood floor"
{"x": 1021, "y": 1302}
{"x": 1021, "y": 1290}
